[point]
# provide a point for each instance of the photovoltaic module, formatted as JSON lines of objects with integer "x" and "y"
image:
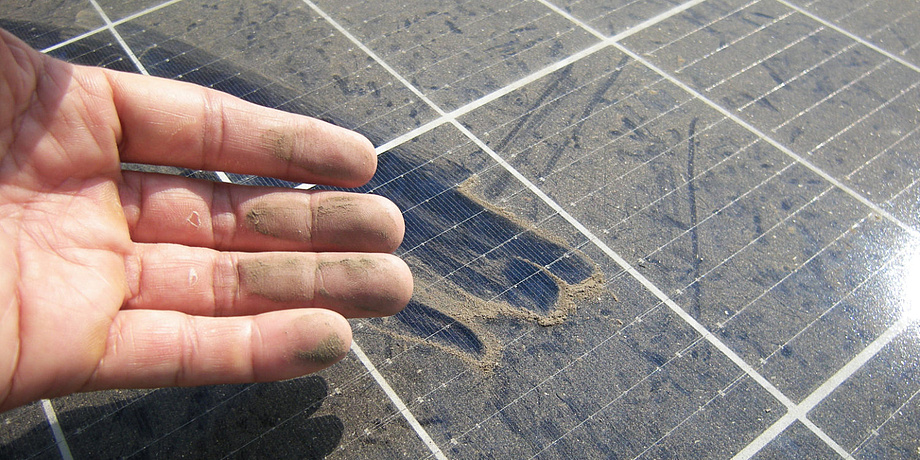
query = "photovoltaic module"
{"x": 638, "y": 228}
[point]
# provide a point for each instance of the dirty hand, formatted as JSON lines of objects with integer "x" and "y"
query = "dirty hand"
{"x": 112, "y": 278}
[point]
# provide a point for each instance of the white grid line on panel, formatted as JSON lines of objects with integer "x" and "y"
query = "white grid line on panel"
{"x": 600, "y": 149}
{"x": 398, "y": 402}
{"x": 444, "y": 384}
{"x": 869, "y": 278}
{"x": 607, "y": 404}
{"x": 444, "y": 117}
{"x": 121, "y": 41}
{"x": 800, "y": 411}
{"x": 106, "y": 27}
{"x": 851, "y": 12}
{"x": 471, "y": 106}
{"x": 686, "y": 317}
{"x": 841, "y": 375}
{"x": 47, "y": 407}
{"x": 852, "y": 45}
{"x": 59, "y": 439}
{"x": 676, "y": 188}
{"x": 140, "y": 54}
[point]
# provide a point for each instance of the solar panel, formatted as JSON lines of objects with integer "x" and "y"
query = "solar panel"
{"x": 638, "y": 228}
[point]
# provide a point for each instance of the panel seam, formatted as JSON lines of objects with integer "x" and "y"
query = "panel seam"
{"x": 59, "y": 439}
{"x": 124, "y": 45}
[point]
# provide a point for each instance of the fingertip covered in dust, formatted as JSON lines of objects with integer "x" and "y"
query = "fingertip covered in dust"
{"x": 328, "y": 351}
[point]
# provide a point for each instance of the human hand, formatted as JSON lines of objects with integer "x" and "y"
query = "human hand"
{"x": 117, "y": 279}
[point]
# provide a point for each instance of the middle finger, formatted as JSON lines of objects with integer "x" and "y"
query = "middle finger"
{"x": 204, "y": 282}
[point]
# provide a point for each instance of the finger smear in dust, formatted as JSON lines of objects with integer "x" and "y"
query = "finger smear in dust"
{"x": 474, "y": 312}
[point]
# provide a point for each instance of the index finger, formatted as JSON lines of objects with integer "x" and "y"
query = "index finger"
{"x": 173, "y": 123}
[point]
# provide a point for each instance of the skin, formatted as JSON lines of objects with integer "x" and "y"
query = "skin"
{"x": 119, "y": 279}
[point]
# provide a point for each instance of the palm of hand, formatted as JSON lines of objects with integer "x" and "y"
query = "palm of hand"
{"x": 63, "y": 231}
{"x": 87, "y": 302}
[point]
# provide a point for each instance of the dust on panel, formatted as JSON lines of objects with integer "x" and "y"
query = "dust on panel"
{"x": 119, "y": 11}
{"x": 893, "y": 25}
{"x": 765, "y": 253}
{"x": 487, "y": 277}
{"x": 874, "y": 414}
{"x": 279, "y": 55}
{"x": 456, "y": 52}
{"x": 845, "y": 107}
{"x": 515, "y": 315}
{"x": 613, "y": 17}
